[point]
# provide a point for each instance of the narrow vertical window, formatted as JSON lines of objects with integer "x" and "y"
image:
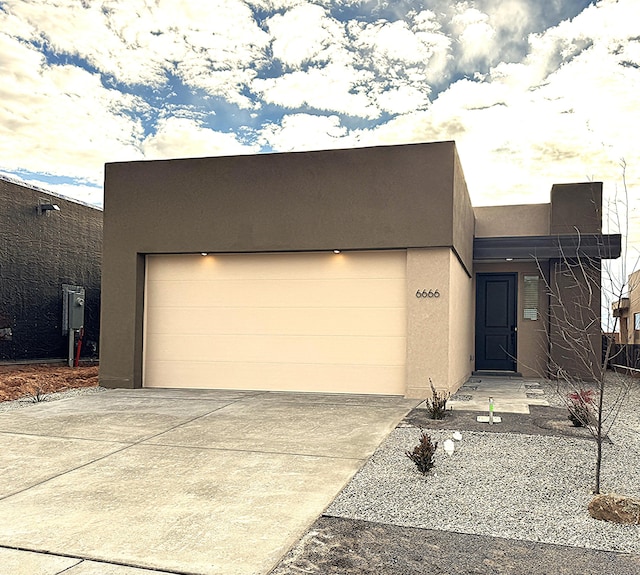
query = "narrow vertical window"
{"x": 530, "y": 297}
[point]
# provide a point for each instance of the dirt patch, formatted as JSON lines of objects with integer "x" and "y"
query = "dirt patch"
{"x": 18, "y": 381}
{"x": 541, "y": 421}
{"x": 353, "y": 547}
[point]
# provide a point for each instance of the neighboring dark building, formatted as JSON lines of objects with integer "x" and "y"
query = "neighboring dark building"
{"x": 43, "y": 249}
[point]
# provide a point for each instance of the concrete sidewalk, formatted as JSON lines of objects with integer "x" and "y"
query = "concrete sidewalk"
{"x": 176, "y": 481}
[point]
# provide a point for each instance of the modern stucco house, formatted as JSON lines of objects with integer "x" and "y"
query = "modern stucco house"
{"x": 362, "y": 270}
{"x": 627, "y": 312}
{"x": 47, "y": 243}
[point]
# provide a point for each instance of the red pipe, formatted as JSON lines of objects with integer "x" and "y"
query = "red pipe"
{"x": 78, "y": 348}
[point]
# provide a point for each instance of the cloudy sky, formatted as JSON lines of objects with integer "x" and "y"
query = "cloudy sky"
{"x": 532, "y": 92}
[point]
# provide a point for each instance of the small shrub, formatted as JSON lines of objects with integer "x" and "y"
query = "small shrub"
{"x": 37, "y": 395}
{"x": 437, "y": 404}
{"x": 423, "y": 453}
{"x": 581, "y": 405}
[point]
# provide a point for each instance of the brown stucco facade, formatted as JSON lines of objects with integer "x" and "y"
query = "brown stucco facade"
{"x": 411, "y": 198}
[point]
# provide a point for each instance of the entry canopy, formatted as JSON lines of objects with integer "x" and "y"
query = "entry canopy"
{"x": 599, "y": 246}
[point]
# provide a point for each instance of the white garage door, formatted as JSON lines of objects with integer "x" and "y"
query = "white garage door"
{"x": 296, "y": 321}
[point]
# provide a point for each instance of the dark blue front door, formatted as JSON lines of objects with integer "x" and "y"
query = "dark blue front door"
{"x": 496, "y": 306}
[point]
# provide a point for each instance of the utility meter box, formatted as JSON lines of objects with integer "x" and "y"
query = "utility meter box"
{"x": 73, "y": 304}
{"x": 76, "y": 310}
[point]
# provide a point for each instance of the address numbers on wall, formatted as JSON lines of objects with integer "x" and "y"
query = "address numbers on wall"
{"x": 427, "y": 293}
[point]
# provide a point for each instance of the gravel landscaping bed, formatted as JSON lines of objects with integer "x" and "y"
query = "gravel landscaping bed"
{"x": 524, "y": 487}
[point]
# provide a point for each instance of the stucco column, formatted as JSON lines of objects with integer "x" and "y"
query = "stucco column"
{"x": 427, "y": 320}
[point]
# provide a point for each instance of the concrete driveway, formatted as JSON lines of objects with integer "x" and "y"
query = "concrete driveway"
{"x": 176, "y": 481}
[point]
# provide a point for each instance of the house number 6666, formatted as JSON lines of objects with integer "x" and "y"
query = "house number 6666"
{"x": 428, "y": 293}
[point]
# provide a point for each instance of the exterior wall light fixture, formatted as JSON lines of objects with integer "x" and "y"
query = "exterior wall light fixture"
{"x": 44, "y": 207}
{"x": 204, "y": 254}
{"x": 336, "y": 251}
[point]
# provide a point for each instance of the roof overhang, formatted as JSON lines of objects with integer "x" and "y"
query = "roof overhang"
{"x": 532, "y": 248}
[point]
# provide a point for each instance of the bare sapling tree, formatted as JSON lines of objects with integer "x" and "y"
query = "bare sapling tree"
{"x": 583, "y": 285}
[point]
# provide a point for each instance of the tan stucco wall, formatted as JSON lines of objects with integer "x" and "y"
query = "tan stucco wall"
{"x": 427, "y": 321}
{"x": 464, "y": 222}
{"x": 521, "y": 220}
{"x": 437, "y": 346}
{"x": 461, "y": 314}
{"x": 532, "y": 340}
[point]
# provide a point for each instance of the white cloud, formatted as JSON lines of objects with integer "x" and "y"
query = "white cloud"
{"x": 429, "y": 32}
{"x": 335, "y": 88}
{"x": 303, "y": 34}
{"x": 536, "y": 108}
{"x": 276, "y": 5}
{"x": 305, "y": 132}
{"x": 185, "y": 138}
{"x": 354, "y": 68}
{"x": 223, "y": 45}
{"x": 402, "y": 100}
{"x": 394, "y": 41}
{"x": 392, "y": 48}
{"x": 563, "y": 114}
{"x": 69, "y": 28}
{"x": 475, "y": 35}
{"x": 208, "y": 44}
{"x": 515, "y": 15}
{"x": 60, "y": 119}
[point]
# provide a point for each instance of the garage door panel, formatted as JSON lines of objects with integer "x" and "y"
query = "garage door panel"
{"x": 277, "y": 321}
{"x": 332, "y": 322}
{"x": 280, "y": 349}
{"x": 289, "y": 377}
{"x": 274, "y": 267}
{"x": 296, "y": 293}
